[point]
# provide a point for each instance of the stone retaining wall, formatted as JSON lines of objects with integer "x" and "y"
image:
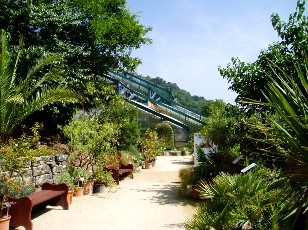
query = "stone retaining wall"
{"x": 45, "y": 169}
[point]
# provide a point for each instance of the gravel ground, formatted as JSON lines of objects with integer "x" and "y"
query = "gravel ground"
{"x": 149, "y": 201}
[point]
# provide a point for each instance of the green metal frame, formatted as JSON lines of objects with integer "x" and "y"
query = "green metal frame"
{"x": 146, "y": 84}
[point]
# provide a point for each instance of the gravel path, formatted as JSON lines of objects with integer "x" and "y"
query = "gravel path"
{"x": 149, "y": 201}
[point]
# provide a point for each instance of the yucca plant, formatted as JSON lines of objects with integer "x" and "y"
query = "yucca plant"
{"x": 287, "y": 96}
{"x": 30, "y": 93}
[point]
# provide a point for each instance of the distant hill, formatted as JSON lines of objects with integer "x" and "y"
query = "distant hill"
{"x": 195, "y": 103}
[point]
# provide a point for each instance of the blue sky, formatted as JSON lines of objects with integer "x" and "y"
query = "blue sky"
{"x": 191, "y": 38}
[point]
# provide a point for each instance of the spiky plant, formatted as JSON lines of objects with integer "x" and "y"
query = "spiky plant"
{"x": 21, "y": 96}
{"x": 234, "y": 201}
{"x": 287, "y": 136}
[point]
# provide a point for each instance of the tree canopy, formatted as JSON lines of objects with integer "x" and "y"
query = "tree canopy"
{"x": 193, "y": 102}
{"x": 250, "y": 79}
{"x": 92, "y": 37}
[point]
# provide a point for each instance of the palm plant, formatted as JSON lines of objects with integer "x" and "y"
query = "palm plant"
{"x": 22, "y": 97}
{"x": 255, "y": 199}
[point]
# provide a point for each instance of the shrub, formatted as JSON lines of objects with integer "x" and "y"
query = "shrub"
{"x": 259, "y": 199}
{"x": 166, "y": 135}
{"x": 65, "y": 177}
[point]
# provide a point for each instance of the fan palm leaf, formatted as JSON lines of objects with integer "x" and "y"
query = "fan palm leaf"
{"x": 21, "y": 98}
{"x": 232, "y": 201}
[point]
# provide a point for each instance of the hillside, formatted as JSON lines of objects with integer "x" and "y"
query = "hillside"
{"x": 195, "y": 103}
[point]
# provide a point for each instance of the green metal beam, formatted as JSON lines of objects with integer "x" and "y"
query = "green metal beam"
{"x": 161, "y": 115}
{"x": 144, "y": 107}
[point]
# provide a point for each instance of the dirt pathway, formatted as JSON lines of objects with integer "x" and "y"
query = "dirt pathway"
{"x": 149, "y": 201}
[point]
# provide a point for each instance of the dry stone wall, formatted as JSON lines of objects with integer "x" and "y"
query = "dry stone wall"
{"x": 45, "y": 169}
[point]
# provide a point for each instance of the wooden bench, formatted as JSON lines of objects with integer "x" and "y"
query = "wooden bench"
{"x": 51, "y": 194}
{"x": 122, "y": 170}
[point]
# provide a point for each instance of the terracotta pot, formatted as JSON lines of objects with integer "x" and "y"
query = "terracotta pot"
{"x": 78, "y": 191}
{"x": 88, "y": 187}
{"x": 195, "y": 193}
{"x": 148, "y": 165}
{"x": 70, "y": 196}
{"x": 5, "y": 223}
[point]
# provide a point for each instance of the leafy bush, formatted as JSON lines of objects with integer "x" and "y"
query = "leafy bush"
{"x": 138, "y": 157}
{"x": 166, "y": 135}
{"x": 78, "y": 175}
{"x": 149, "y": 145}
{"x": 103, "y": 176}
{"x": 188, "y": 179}
{"x": 65, "y": 177}
{"x": 90, "y": 141}
{"x": 15, "y": 187}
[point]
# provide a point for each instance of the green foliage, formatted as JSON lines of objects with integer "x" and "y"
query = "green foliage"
{"x": 21, "y": 97}
{"x": 121, "y": 113}
{"x": 229, "y": 128}
{"x": 165, "y": 135}
{"x": 15, "y": 187}
{"x": 16, "y": 154}
{"x": 90, "y": 141}
{"x": 209, "y": 166}
{"x": 287, "y": 135}
{"x": 95, "y": 137}
{"x": 183, "y": 97}
{"x": 294, "y": 32}
{"x": 65, "y": 177}
{"x": 257, "y": 199}
{"x": 224, "y": 125}
{"x": 127, "y": 158}
{"x": 137, "y": 156}
{"x": 149, "y": 145}
{"x": 78, "y": 175}
{"x": 103, "y": 176}
{"x": 92, "y": 36}
{"x": 250, "y": 79}
{"x": 188, "y": 178}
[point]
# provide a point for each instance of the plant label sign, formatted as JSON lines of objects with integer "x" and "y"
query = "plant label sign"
{"x": 237, "y": 159}
{"x": 248, "y": 167}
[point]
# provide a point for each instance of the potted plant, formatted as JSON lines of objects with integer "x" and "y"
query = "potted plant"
{"x": 189, "y": 177}
{"x": 149, "y": 144}
{"x": 11, "y": 187}
{"x": 15, "y": 157}
{"x": 79, "y": 175}
{"x": 4, "y": 213}
{"x": 65, "y": 177}
{"x": 102, "y": 179}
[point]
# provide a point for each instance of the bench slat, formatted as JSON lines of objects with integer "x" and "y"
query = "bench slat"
{"x": 124, "y": 170}
{"x": 43, "y": 195}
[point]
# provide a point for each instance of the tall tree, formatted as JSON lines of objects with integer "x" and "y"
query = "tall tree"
{"x": 250, "y": 79}
{"x": 93, "y": 36}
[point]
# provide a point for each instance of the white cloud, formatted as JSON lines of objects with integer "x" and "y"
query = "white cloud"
{"x": 192, "y": 38}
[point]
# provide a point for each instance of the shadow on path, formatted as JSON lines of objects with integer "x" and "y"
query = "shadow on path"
{"x": 181, "y": 162}
{"x": 174, "y": 226}
{"x": 166, "y": 195}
